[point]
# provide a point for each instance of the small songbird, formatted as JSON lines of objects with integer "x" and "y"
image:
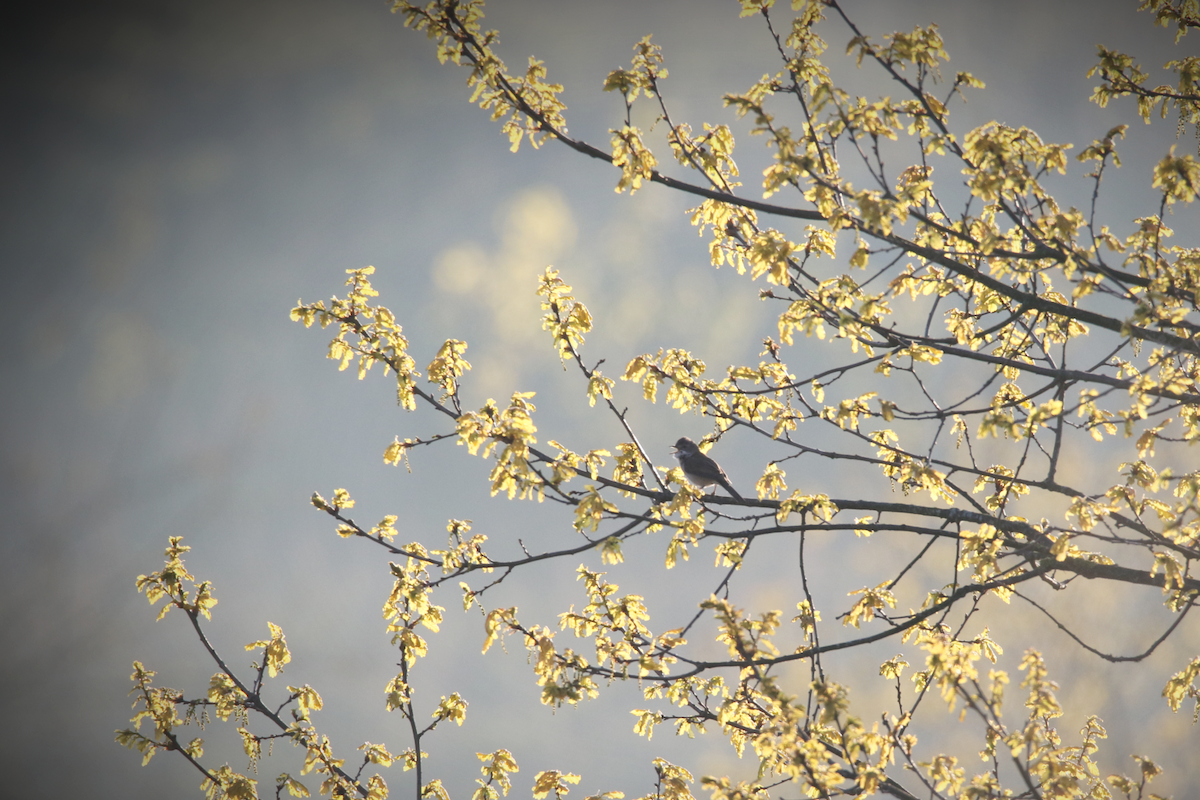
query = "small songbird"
{"x": 700, "y": 469}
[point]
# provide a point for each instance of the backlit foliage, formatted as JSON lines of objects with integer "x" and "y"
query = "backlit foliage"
{"x": 985, "y": 336}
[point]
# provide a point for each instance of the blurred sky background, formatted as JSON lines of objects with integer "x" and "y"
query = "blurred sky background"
{"x": 177, "y": 174}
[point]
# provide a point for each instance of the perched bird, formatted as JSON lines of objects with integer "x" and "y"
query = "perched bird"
{"x": 700, "y": 469}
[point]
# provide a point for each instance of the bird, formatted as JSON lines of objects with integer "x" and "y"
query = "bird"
{"x": 700, "y": 469}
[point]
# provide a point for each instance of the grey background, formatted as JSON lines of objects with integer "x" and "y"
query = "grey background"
{"x": 177, "y": 174}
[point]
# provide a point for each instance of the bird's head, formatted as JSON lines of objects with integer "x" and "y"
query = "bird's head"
{"x": 685, "y": 447}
